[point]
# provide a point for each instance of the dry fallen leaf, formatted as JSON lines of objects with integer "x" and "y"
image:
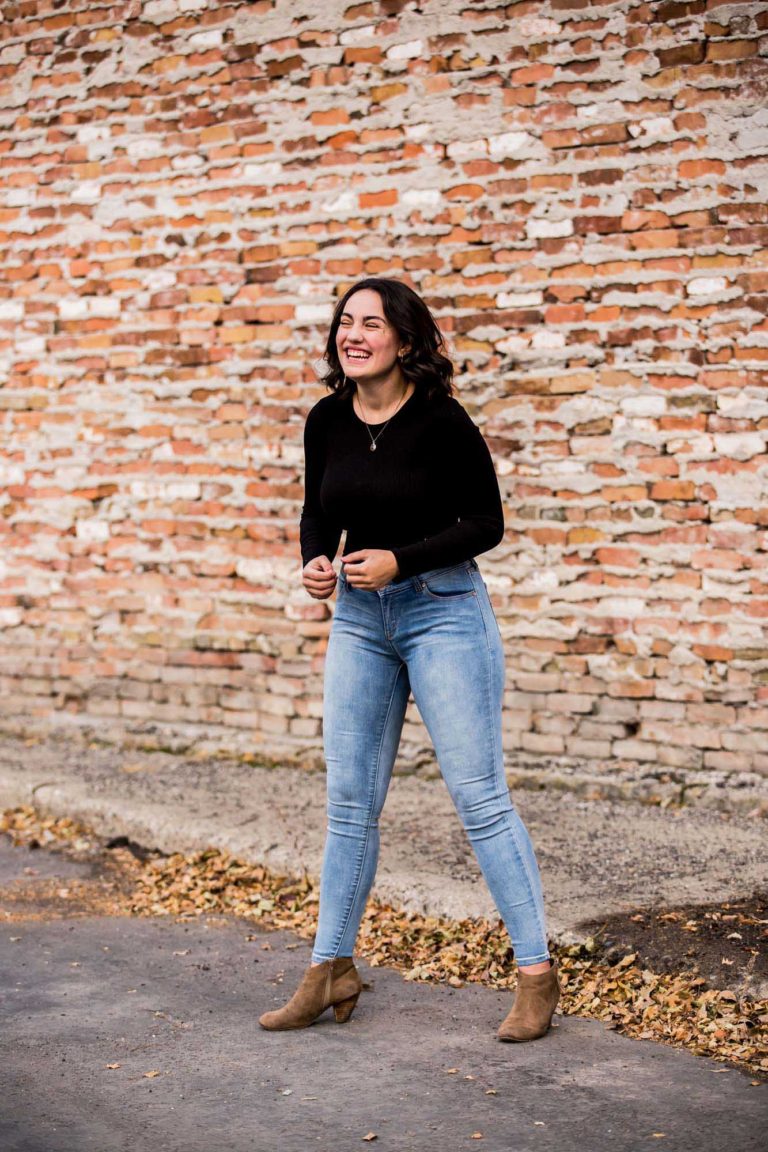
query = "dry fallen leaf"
{"x": 477, "y": 1136}
{"x": 676, "y": 1008}
{"x": 152, "y": 1074}
{"x": 371, "y": 1136}
{"x": 111, "y": 1065}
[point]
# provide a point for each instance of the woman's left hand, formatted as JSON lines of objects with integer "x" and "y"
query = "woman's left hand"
{"x": 370, "y": 568}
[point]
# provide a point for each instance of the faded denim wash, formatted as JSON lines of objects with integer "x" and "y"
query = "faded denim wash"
{"x": 434, "y": 634}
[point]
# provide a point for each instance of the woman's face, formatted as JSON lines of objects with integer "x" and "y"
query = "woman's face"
{"x": 366, "y": 343}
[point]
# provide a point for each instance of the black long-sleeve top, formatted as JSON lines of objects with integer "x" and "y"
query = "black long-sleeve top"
{"x": 429, "y": 492}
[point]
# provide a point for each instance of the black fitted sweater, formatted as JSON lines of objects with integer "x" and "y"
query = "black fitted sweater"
{"x": 429, "y": 492}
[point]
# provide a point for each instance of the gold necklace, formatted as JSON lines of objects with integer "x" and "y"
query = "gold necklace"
{"x": 378, "y": 434}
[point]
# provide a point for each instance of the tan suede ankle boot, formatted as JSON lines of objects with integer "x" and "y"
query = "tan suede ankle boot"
{"x": 535, "y": 1002}
{"x": 333, "y": 983}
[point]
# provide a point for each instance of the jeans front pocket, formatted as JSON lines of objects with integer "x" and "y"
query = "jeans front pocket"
{"x": 454, "y": 583}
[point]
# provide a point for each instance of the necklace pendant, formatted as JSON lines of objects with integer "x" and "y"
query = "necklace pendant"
{"x": 373, "y": 447}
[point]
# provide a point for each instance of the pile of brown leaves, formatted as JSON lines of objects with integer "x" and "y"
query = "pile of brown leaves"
{"x": 25, "y": 825}
{"x": 678, "y": 1009}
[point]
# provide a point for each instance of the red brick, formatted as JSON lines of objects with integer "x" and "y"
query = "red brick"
{"x": 209, "y": 270}
{"x": 564, "y": 314}
{"x": 692, "y": 53}
{"x": 673, "y": 490}
{"x": 322, "y": 116}
{"x": 384, "y": 92}
{"x": 732, "y": 49}
{"x": 519, "y": 97}
{"x": 533, "y": 74}
{"x": 372, "y": 55}
{"x": 632, "y": 221}
{"x": 621, "y": 557}
{"x": 693, "y": 169}
{"x": 378, "y": 199}
{"x": 462, "y": 191}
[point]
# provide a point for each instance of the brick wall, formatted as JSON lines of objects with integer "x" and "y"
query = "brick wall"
{"x": 579, "y": 191}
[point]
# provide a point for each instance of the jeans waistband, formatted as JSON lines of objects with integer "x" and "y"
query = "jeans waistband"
{"x": 412, "y": 581}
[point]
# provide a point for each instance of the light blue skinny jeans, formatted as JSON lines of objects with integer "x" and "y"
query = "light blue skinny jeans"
{"x": 434, "y": 634}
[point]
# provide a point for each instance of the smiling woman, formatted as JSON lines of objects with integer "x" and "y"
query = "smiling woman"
{"x": 410, "y": 509}
{"x": 369, "y": 347}
{"x": 392, "y": 457}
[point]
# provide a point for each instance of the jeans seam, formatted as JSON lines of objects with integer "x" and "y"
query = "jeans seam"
{"x": 507, "y": 821}
{"x": 372, "y": 799}
{"x": 526, "y": 871}
{"x": 450, "y": 596}
{"x": 485, "y": 631}
{"x": 417, "y": 583}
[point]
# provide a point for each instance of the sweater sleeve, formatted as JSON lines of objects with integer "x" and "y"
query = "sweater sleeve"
{"x": 480, "y": 515}
{"x": 317, "y": 535}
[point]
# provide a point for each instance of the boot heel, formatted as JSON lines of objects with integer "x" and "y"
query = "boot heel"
{"x": 344, "y": 1009}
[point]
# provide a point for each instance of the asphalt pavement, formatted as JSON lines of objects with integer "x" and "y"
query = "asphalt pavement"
{"x": 128, "y": 1034}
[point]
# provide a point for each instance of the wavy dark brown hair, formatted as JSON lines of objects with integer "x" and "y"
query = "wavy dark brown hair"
{"x": 426, "y": 363}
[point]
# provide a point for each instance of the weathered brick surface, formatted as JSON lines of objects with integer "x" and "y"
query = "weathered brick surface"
{"x": 578, "y": 190}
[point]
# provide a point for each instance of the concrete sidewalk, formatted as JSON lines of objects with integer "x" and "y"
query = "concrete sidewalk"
{"x": 596, "y": 857}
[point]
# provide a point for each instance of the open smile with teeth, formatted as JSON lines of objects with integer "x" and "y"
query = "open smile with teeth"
{"x": 357, "y": 354}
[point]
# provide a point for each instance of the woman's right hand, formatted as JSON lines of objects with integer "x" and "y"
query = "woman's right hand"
{"x": 319, "y": 578}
